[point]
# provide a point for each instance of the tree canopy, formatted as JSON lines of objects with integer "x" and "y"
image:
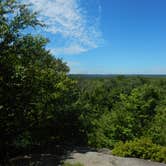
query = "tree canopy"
{"x": 36, "y": 94}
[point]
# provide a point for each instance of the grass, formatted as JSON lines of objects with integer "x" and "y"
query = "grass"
{"x": 70, "y": 164}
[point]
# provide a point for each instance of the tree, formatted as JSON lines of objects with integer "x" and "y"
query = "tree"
{"x": 157, "y": 129}
{"x": 132, "y": 115}
{"x": 36, "y": 95}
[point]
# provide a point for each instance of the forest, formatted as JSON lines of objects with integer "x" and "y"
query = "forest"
{"x": 41, "y": 104}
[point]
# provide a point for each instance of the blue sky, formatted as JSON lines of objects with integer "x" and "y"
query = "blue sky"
{"x": 106, "y": 36}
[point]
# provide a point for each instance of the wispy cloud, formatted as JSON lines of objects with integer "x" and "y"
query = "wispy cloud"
{"x": 69, "y": 49}
{"x": 69, "y": 20}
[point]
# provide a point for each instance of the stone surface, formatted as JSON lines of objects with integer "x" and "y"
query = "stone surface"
{"x": 83, "y": 155}
{"x": 102, "y": 159}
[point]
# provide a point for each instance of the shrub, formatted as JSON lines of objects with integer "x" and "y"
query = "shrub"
{"x": 141, "y": 148}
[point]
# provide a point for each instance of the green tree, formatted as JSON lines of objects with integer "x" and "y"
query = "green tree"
{"x": 132, "y": 115}
{"x": 157, "y": 129}
{"x": 36, "y": 96}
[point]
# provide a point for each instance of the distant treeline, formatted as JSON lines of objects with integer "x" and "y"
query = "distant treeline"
{"x": 116, "y": 75}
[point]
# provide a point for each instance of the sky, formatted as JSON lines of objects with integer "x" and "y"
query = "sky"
{"x": 106, "y": 36}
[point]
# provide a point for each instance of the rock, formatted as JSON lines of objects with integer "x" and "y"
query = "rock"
{"x": 105, "y": 151}
{"x": 102, "y": 159}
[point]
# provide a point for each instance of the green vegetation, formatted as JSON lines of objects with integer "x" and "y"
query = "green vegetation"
{"x": 75, "y": 164}
{"x": 36, "y": 96}
{"x": 41, "y": 104}
{"x": 142, "y": 148}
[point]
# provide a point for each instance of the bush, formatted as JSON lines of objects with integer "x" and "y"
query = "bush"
{"x": 141, "y": 148}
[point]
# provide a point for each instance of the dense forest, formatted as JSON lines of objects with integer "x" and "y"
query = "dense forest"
{"x": 40, "y": 103}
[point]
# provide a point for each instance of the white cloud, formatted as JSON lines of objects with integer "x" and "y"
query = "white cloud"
{"x": 71, "y": 21}
{"x": 70, "y": 50}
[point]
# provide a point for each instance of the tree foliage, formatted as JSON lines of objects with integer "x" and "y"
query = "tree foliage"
{"x": 36, "y": 95}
